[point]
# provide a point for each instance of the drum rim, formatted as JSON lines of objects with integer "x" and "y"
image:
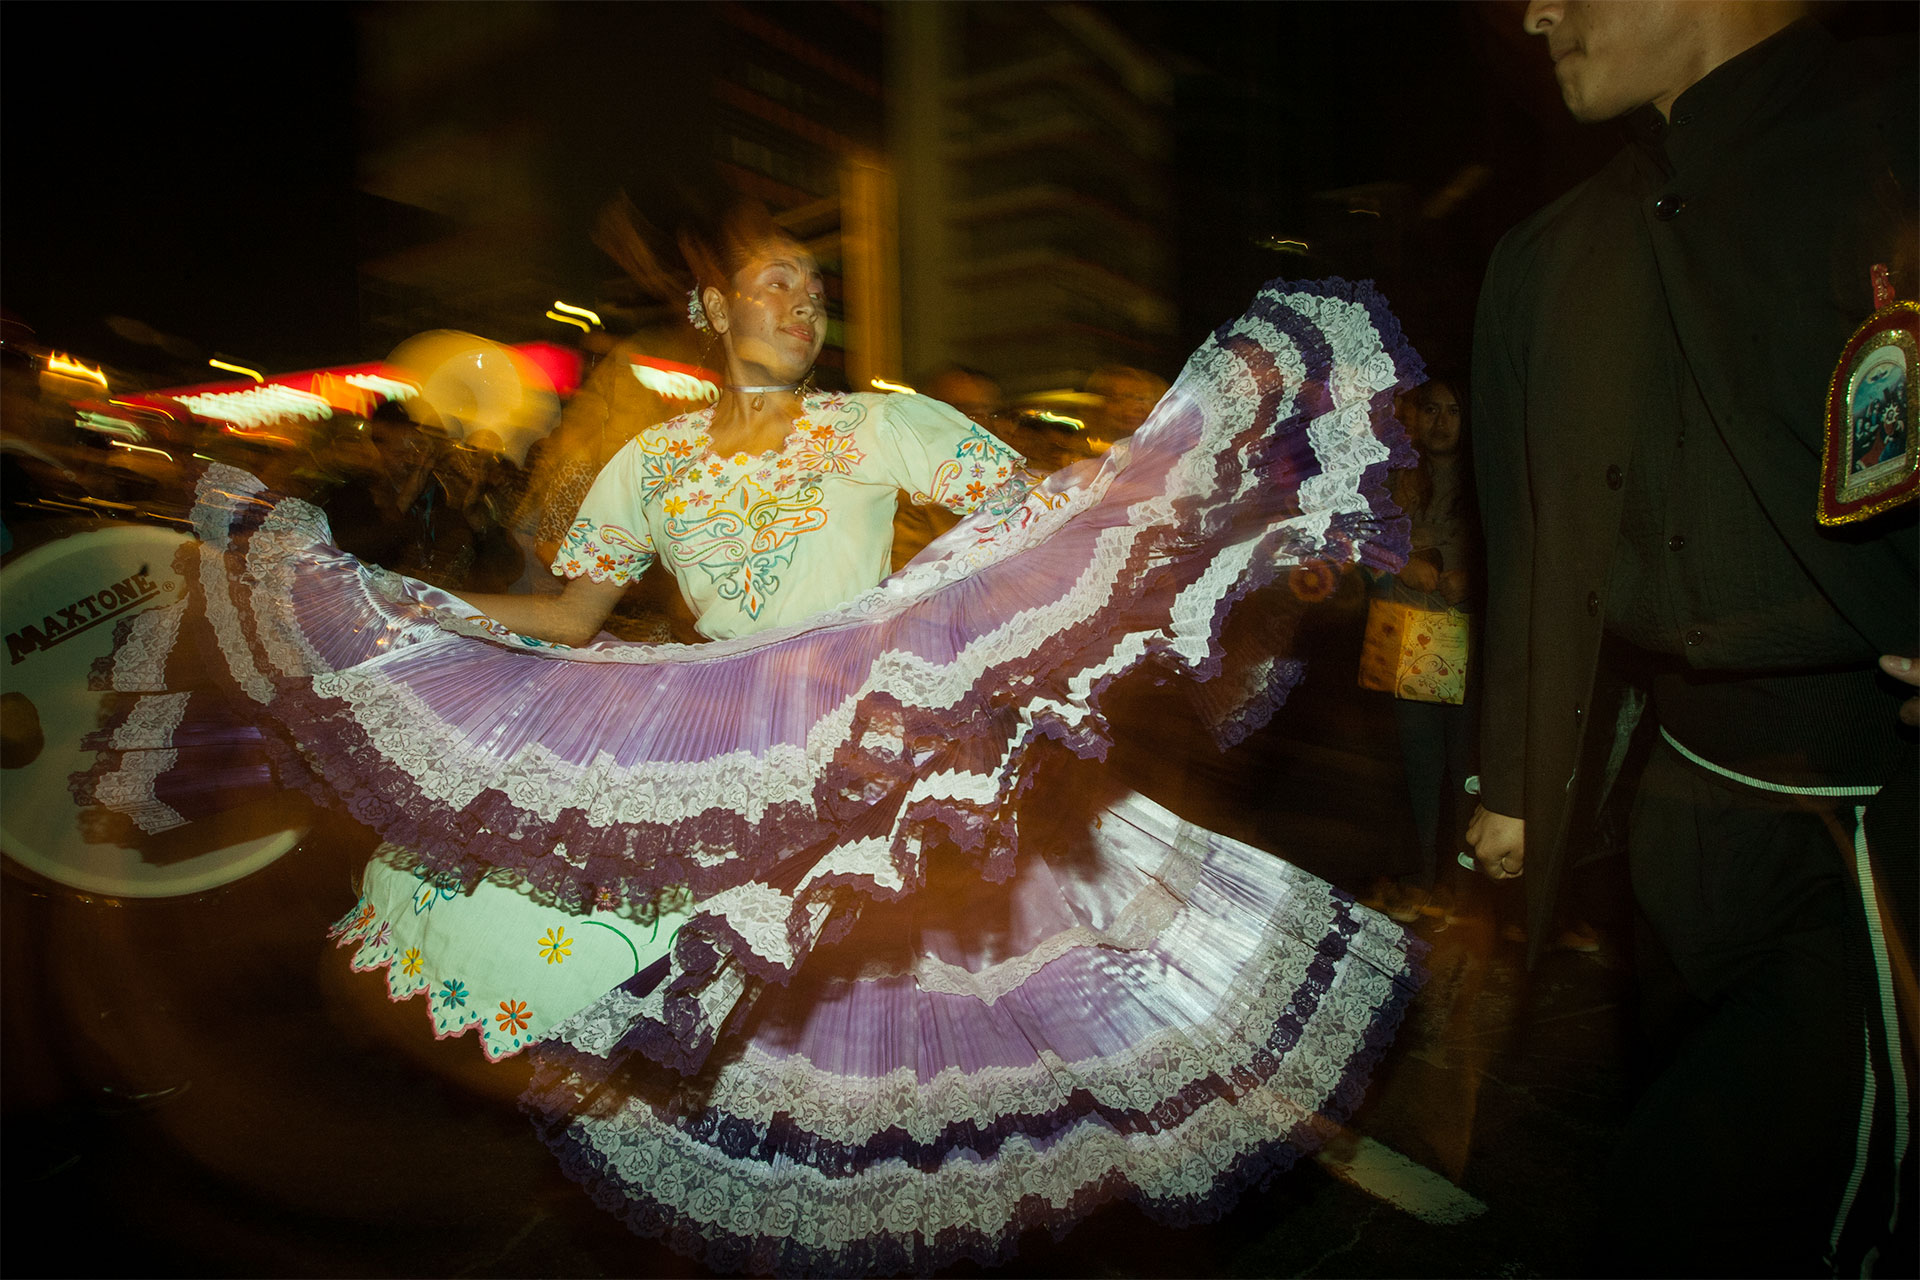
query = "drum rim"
{"x": 20, "y": 853}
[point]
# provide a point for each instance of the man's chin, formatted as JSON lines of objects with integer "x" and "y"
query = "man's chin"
{"x": 1585, "y": 109}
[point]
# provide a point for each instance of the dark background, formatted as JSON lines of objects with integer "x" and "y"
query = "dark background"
{"x": 194, "y": 166}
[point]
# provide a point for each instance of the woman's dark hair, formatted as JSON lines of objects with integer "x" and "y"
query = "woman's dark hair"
{"x": 717, "y": 251}
{"x": 711, "y": 248}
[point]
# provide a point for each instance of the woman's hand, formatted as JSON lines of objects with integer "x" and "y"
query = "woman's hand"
{"x": 1420, "y": 576}
{"x": 573, "y": 617}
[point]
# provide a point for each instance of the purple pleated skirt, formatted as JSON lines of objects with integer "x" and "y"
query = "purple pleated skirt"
{"x": 922, "y": 1004}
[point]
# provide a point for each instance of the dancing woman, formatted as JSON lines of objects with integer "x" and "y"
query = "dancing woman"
{"x": 887, "y": 993}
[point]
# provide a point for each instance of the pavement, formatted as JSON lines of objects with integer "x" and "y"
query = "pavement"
{"x": 201, "y": 1087}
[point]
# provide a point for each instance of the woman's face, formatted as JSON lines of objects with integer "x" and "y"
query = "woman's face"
{"x": 774, "y": 320}
{"x": 1436, "y": 419}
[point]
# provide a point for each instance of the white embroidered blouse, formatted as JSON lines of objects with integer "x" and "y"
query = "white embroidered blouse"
{"x": 763, "y": 541}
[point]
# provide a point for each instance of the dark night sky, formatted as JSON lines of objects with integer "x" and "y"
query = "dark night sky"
{"x": 193, "y": 167}
{"x": 187, "y": 166}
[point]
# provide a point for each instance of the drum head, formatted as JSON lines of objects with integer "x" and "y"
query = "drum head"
{"x": 59, "y": 604}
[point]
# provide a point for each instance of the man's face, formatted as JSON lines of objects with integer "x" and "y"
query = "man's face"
{"x": 1613, "y": 56}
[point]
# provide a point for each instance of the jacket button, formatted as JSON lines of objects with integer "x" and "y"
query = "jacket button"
{"x": 1678, "y": 542}
{"x": 1667, "y": 208}
{"x": 1593, "y": 604}
{"x": 1695, "y": 637}
{"x": 1614, "y": 478}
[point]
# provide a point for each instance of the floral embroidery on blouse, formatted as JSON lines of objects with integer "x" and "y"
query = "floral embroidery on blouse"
{"x": 738, "y": 519}
{"x": 604, "y": 553}
{"x": 822, "y": 450}
{"x": 743, "y": 551}
{"x": 980, "y": 465}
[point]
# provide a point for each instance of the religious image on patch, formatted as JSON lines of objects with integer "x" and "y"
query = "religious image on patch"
{"x": 1871, "y": 464}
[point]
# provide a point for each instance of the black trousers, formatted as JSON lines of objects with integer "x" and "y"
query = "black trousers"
{"x": 1436, "y": 745}
{"x": 1764, "y": 1143}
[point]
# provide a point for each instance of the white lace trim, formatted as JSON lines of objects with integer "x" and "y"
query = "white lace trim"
{"x": 230, "y": 484}
{"x": 723, "y": 1197}
{"x": 870, "y": 859}
{"x": 1172, "y": 1162}
{"x": 150, "y": 723}
{"x": 1136, "y": 926}
{"x": 290, "y": 527}
{"x": 129, "y": 790}
{"x": 1149, "y": 913}
{"x": 145, "y": 737}
{"x": 140, "y": 661}
{"x": 407, "y": 734}
{"x": 756, "y": 1085}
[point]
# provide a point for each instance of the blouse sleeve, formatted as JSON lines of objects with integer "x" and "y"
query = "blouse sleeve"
{"x": 939, "y": 455}
{"x": 609, "y": 540}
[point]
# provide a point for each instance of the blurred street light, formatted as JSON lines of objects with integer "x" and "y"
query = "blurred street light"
{"x": 238, "y": 368}
{"x": 589, "y": 316}
{"x": 68, "y": 367}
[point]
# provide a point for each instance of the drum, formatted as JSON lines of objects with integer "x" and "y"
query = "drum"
{"x": 58, "y": 606}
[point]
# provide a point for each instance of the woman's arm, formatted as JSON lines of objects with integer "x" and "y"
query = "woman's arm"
{"x": 573, "y": 617}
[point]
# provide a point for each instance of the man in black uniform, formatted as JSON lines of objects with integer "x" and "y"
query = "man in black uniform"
{"x": 1651, "y": 362}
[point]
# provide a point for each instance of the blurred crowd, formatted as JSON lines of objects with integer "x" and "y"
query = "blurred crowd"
{"x": 461, "y": 509}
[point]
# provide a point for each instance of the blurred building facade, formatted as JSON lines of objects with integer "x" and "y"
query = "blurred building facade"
{"x": 1031, "y": 145}
{"x": 984, "y": 184}
{"x": 797, "y": 122}
{"x": 492, "y": 135}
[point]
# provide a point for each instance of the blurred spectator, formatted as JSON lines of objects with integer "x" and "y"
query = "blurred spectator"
{"x": 1436, "y": 726}
{"x": 611, "y": 407}
{"x": 1048, "y": 445}
{"x": 392, "y": 510}
{"x": 971, "y": 391}
{"x": 1127, "y": 396}
{"x": 483, "y": 486}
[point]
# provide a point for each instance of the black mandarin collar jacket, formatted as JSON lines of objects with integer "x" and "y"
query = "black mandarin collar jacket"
{"x": 1743, "y": 231}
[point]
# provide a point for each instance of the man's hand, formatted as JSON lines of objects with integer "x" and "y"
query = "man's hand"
{"x": 1906, "y": 671}
{"x": 1499, "y": 843}
{"x": 1454, "y": 585}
